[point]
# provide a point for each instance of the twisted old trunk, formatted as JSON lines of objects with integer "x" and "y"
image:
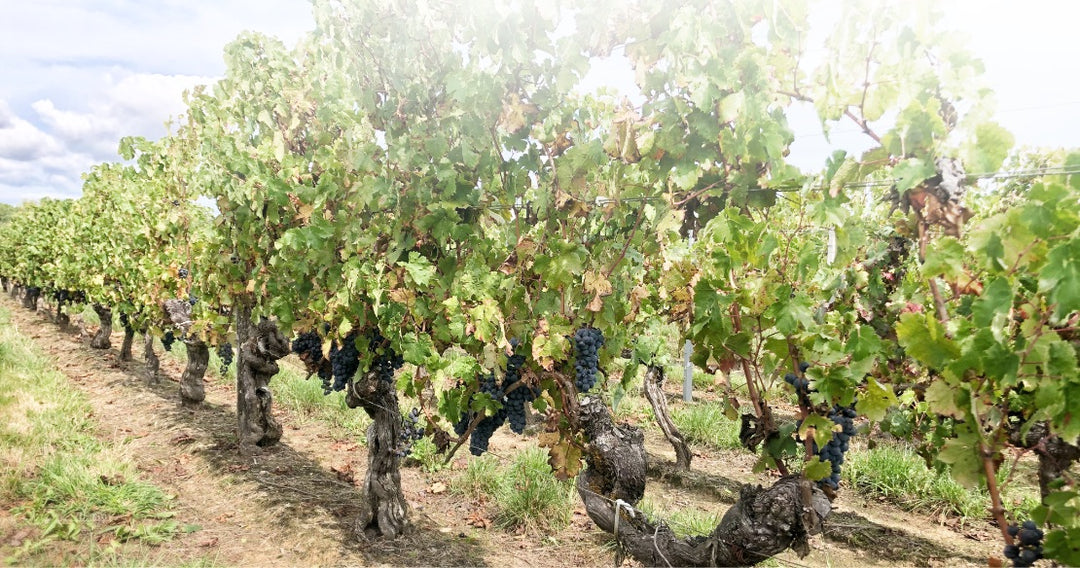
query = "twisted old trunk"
{"x": 101, "y": 338}
{"x": 30, "y": 298}
{"x": 763, "y": 523}
{"x": 151, "y": 358}
{"x": 129, "y": 337}
{"x": 260, "y": 346}
{"x": 1056, "y": 456}
{"x": 192, "y": 392}
{"x": 62, "y": 319}
{"x": 655, "y": 394}
{"x": 384, "y": 509}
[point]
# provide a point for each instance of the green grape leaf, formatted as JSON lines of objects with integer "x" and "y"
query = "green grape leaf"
{"x": 820, "y": 426}
{"x": 816, "y": 470}
{"x": 962, "y": 455}
{"x": 996, "y": 299}
{"x": 875, "y": 400}
{"x": 1060, "y": 278}
{"x": 944, "y": 258}
{"x": 923, "y": 338}
{"x": 942, "y": 399}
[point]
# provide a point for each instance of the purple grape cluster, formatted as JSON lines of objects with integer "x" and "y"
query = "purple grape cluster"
{"x": 834, "y": 451}
{"x": 1027, "y": 548}
{"x": 587, "y": 343}
{"x": 225, "y": 352}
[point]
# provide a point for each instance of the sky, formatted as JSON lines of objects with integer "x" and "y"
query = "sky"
{"x": 77, "y": 75}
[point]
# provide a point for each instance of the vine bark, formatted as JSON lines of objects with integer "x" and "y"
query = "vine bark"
{"x": 101, "y": 338}
{"x": 762, "y": 523}
{"x": 384, "y": 509}
{"x": 261, "y": 345}
{"x": 654, "y": 376}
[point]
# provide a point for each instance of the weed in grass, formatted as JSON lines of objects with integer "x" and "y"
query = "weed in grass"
{"x": 900, "y": 476}
{"x": 684, "y": 522}
{"x": 531, "y": 497}
{"x": 427, "y": 455}
{"x": 525, "y": 493}
{"x": 480, "y": 479}
{"x": 705, "y": 423}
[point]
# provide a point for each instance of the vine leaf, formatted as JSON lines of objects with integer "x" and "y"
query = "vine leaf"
{"x": 1061, "y": 277}
{"x": 563, "y": 455}
{"x": 816, "y": 470}
{"x": 942, "y": 399}
{"x": 875, "y": 400}
{"x": 924, "y": 339}
{"x": 962, "y": 453}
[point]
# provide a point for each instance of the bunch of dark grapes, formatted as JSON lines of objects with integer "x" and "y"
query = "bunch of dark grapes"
{"x": 481, "y": 435}
{"x": 411, "y": 430}
{"x": 125, "y": 321}
{"x": 834, "y": 451}
{"x": 192, "y": 299}
{"x": 344, "y": 361}
{"x": 587, "y": 343}
{"x": 167, "y": 340}
{"x": 801, "y": 385}
{"x": 225, "y": 352}
{"x": 182, "y": 273}
{"x": 384, "y": 364}
{"x": 308, "y": 346}
{"x": 516, "y": 398}
{"x": 1028, "y": 544}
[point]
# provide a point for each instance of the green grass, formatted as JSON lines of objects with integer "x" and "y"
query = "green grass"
{"x": 55, "y": 474}
{"x": 525, "y": 493}
{"x": 705, "y": 423}
{"x": 304, "y": 399}
{"x": 684, "y": 521}
{"x": 900, "y": 476}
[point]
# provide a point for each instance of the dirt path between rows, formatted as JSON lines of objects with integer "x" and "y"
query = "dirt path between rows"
{"x": 291, "y": 506}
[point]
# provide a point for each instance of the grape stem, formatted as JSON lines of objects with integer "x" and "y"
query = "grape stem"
{"x": 468, "y": 432}
{"x": 995, "y": 496}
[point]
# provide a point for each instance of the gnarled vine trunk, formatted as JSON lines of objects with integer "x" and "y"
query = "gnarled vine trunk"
{"x": 655, "y": 394}
{"x": 62, "y": 319}
{"x": 384, "y": 509}
{"x": 260, "y": 346}
{"x": 30, "y": 298}
{"x": 151, "y": 358}
{"x": 101, "y": 338}
{"x": 761, "y": 524}
{"x": 192, "y": 392}
{"x": 1056, "y": 456}
{"x": 129, "y": 338}
{"x": 15, "y": 291}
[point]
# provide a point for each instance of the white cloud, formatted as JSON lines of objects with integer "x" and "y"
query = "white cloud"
{"x": 20, "y": 140}
{"x": 81, "y": 74}
{"x": 135, "y": 105}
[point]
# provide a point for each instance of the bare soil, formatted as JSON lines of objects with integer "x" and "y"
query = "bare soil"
{"x": 293, "y": 504}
